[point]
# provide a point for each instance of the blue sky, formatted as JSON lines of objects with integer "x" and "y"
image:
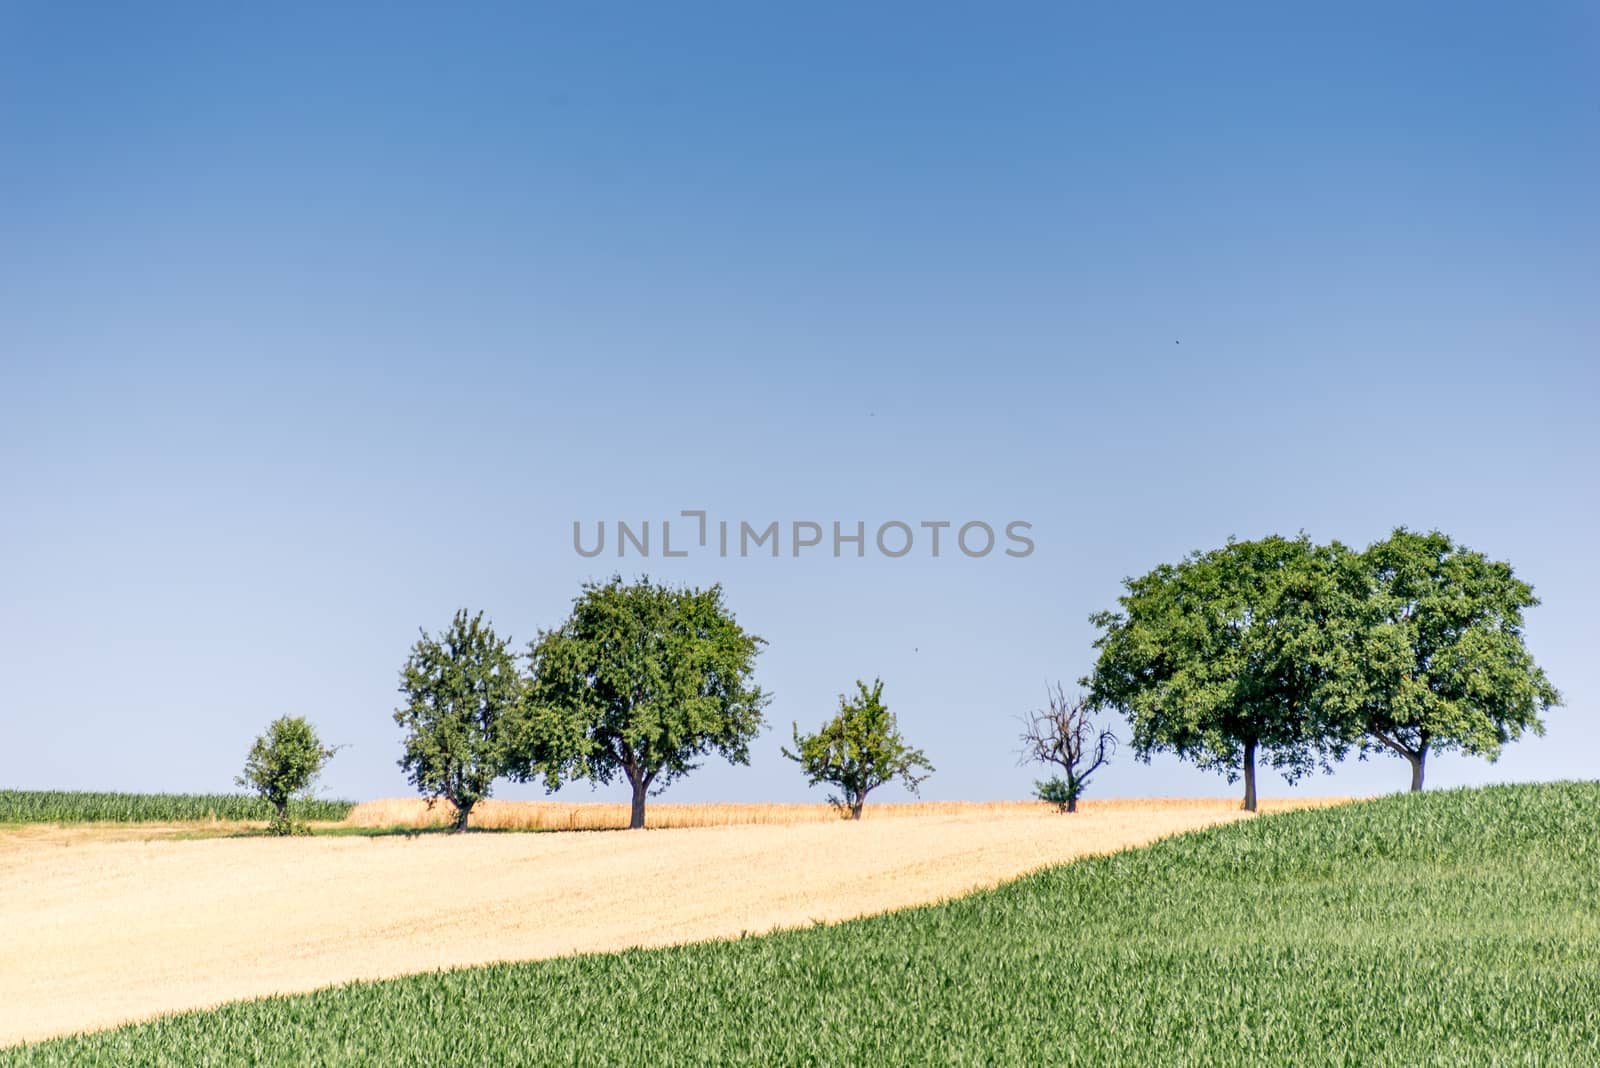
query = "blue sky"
{"x": 318, "y": 324}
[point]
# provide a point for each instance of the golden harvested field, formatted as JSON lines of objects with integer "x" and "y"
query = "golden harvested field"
{"x": 565, "y": 816}
{"x": 102, "y": 925}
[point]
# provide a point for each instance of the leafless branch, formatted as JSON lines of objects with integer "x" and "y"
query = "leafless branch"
{"x": 1066, "y": 734}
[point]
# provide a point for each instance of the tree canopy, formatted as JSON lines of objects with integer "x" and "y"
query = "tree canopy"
{"x": 859, "y": 750}
{"x": 462, "y": 689}
{"x": 1298, "y": 652}
{"x": 284, "y": 764}
{"x": 1235, "y": 654}
{"x": 642, "y": 680}
{"x": 1444, "y": 665}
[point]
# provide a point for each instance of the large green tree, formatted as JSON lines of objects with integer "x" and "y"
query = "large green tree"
{"x": 641, "y": 681}
{"x": 462, "y": 690}
{"x": 1443, "y": 664}
{"x": 1235, "y": 655}
{"x": 859, "y": 750}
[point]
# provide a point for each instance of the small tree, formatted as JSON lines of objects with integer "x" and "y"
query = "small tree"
{"x": 1065, "y": 734}
{"x": 460, "y": 690}
{"x": 859, "y": 750}
{"x": 284, "y": 764}
{"x": 1054, "y": 790}
{"x": 641, "y": 680}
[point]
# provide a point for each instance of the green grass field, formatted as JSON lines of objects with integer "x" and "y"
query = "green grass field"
{"x": 1456, "y": 927}
{"x": 71, "y": 806}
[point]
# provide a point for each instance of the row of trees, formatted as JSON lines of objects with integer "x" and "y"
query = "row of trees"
{"x": 1279, "y": 650}
{"x": 640, "y": 683}
{"x": 1296, "y": 653}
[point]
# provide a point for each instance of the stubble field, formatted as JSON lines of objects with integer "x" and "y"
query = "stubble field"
{"x": 100, "y": 925}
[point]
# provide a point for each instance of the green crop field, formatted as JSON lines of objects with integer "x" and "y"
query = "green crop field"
{"x": 71, "y": 806}
{"x": 1458, "y": 928}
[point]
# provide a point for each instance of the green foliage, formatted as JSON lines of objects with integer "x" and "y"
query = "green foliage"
{"x": 1234, "y": 652}
{"x": 859, "y": 750}
{"x": 1056, "y": 791}
{"x": 1300, "y": 651}
{"x": 462, "y": 692}
{"x": 1447, "y": 929}
{"x": 75, "y": 806}
{"x": 283, "y": 764}
{"x": 1443, "y": 663}
{"x": 641, "y": 680}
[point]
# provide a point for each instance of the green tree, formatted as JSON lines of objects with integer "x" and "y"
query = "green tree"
{"x": 1444, "y": 666}
{"x": 640, "y": 681}
{"x": 462, "y": 690}
{"x": 859, "y": 750}
{"x": 282, "y": 765}
{"x": 1236, "y": 654}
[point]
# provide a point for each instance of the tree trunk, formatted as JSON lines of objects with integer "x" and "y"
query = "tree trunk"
{"x": 462, "y": 812}
{"x": 1417, "y": 759}
{"x": 1072, "y": 804}
{"x": 855, "y": 808}
{"x": 1250, "y": 775}
{"x": 636, "y": 816}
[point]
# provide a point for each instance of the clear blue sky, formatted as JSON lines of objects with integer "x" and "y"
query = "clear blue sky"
{"x": 317, "y": 324}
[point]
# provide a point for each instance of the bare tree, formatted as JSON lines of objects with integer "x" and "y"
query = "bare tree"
{"x": 1067, "y": 735}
